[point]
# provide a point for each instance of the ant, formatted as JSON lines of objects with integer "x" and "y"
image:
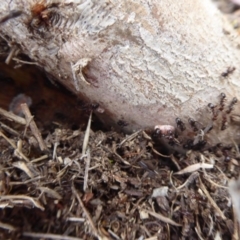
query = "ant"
{"x": 224, "y": 122}
{"x": 192, "y": 123}
{"x": 122, "y": 123}
{"x": 214, "y": 112}
{"x": 43, "y": 15}
{"x": 222, "y": 100}
{"x": 231, "y": 105}
{"x": 180, "y": 124}
{"x": 228, "y": 71}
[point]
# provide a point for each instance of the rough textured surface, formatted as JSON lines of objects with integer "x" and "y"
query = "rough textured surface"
{"x": 145, "y": 63}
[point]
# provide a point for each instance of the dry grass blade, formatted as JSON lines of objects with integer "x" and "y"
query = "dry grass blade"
{"x": 13, "y": 117}
{"x": 88, "y": 159}
{"x": 129, "y": 138}
{"x": 94, "y": 229}
{"x": 7, "y": 226}
{"x": 213, "y": 183}
{"x": 18, "y": 153}
{"x": 163, "y": 219}
{"x": 22, "y": 165}
{"x": 25, "y": 182}
{"x": 33, "y": 126}
{"x": 117, "y": 155}
{"x": 86, "y": 136}
{"x": 213, "y": 203}
{"x": 48, "y": 236}
{"x": 190, "y": 179}
{"x": 51, "y": 193}
{"x": 194, "y": 167}
{"x": 198, "y": 230}
{"x": 22, "y": 197}
{"x": 8, "y": 140}
{"x": 9, "y": 130}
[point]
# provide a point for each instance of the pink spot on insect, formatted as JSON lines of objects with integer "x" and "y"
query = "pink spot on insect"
{"x": 165, "y": 130}
{"x": 15, "y": 105}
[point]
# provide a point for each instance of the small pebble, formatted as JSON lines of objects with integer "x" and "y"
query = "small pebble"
{"x": 15, "y": 105}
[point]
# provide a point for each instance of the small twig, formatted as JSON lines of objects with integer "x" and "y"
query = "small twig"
{"x": 87, "y": 164}
{"x": 87, "y": 134}
{"x": 212, "y": 202}
{"x": 12, "y": 116}
{"x": 25, "y": 62}
{"x": 75, "y": 219}
{"x": 55, "y": 150}
{"x": 11, "y": 54}
{"x": 25, "y": 182}
{"x": 48, "y": 236}
{"x": 94, "y": 229}
{"x": 39, "y": 159}
{"x": 163, "y": 218}
{"x": 33, "y": 126}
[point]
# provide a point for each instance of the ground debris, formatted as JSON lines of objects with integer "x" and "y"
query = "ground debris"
{"x": 106, "y": 185}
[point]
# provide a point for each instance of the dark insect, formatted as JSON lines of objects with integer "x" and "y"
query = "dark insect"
{"x": 122, "y": 123}
{"x": 193, "y": 124}
{"x": 43, "y": 15}
{"x": 228, "y": 71}
{"x": 226, "y": 154}
{"x": 231, "y": 105}
{"x": 180, "y": 124}
{"x": 213, "y": 110}
{"x": 222, "y": 100}
{"x": 188, "y": 144}
{"x": 224, "y": 122}
{"x": 12, "y": 14}
{"x": 94, "y": 106}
